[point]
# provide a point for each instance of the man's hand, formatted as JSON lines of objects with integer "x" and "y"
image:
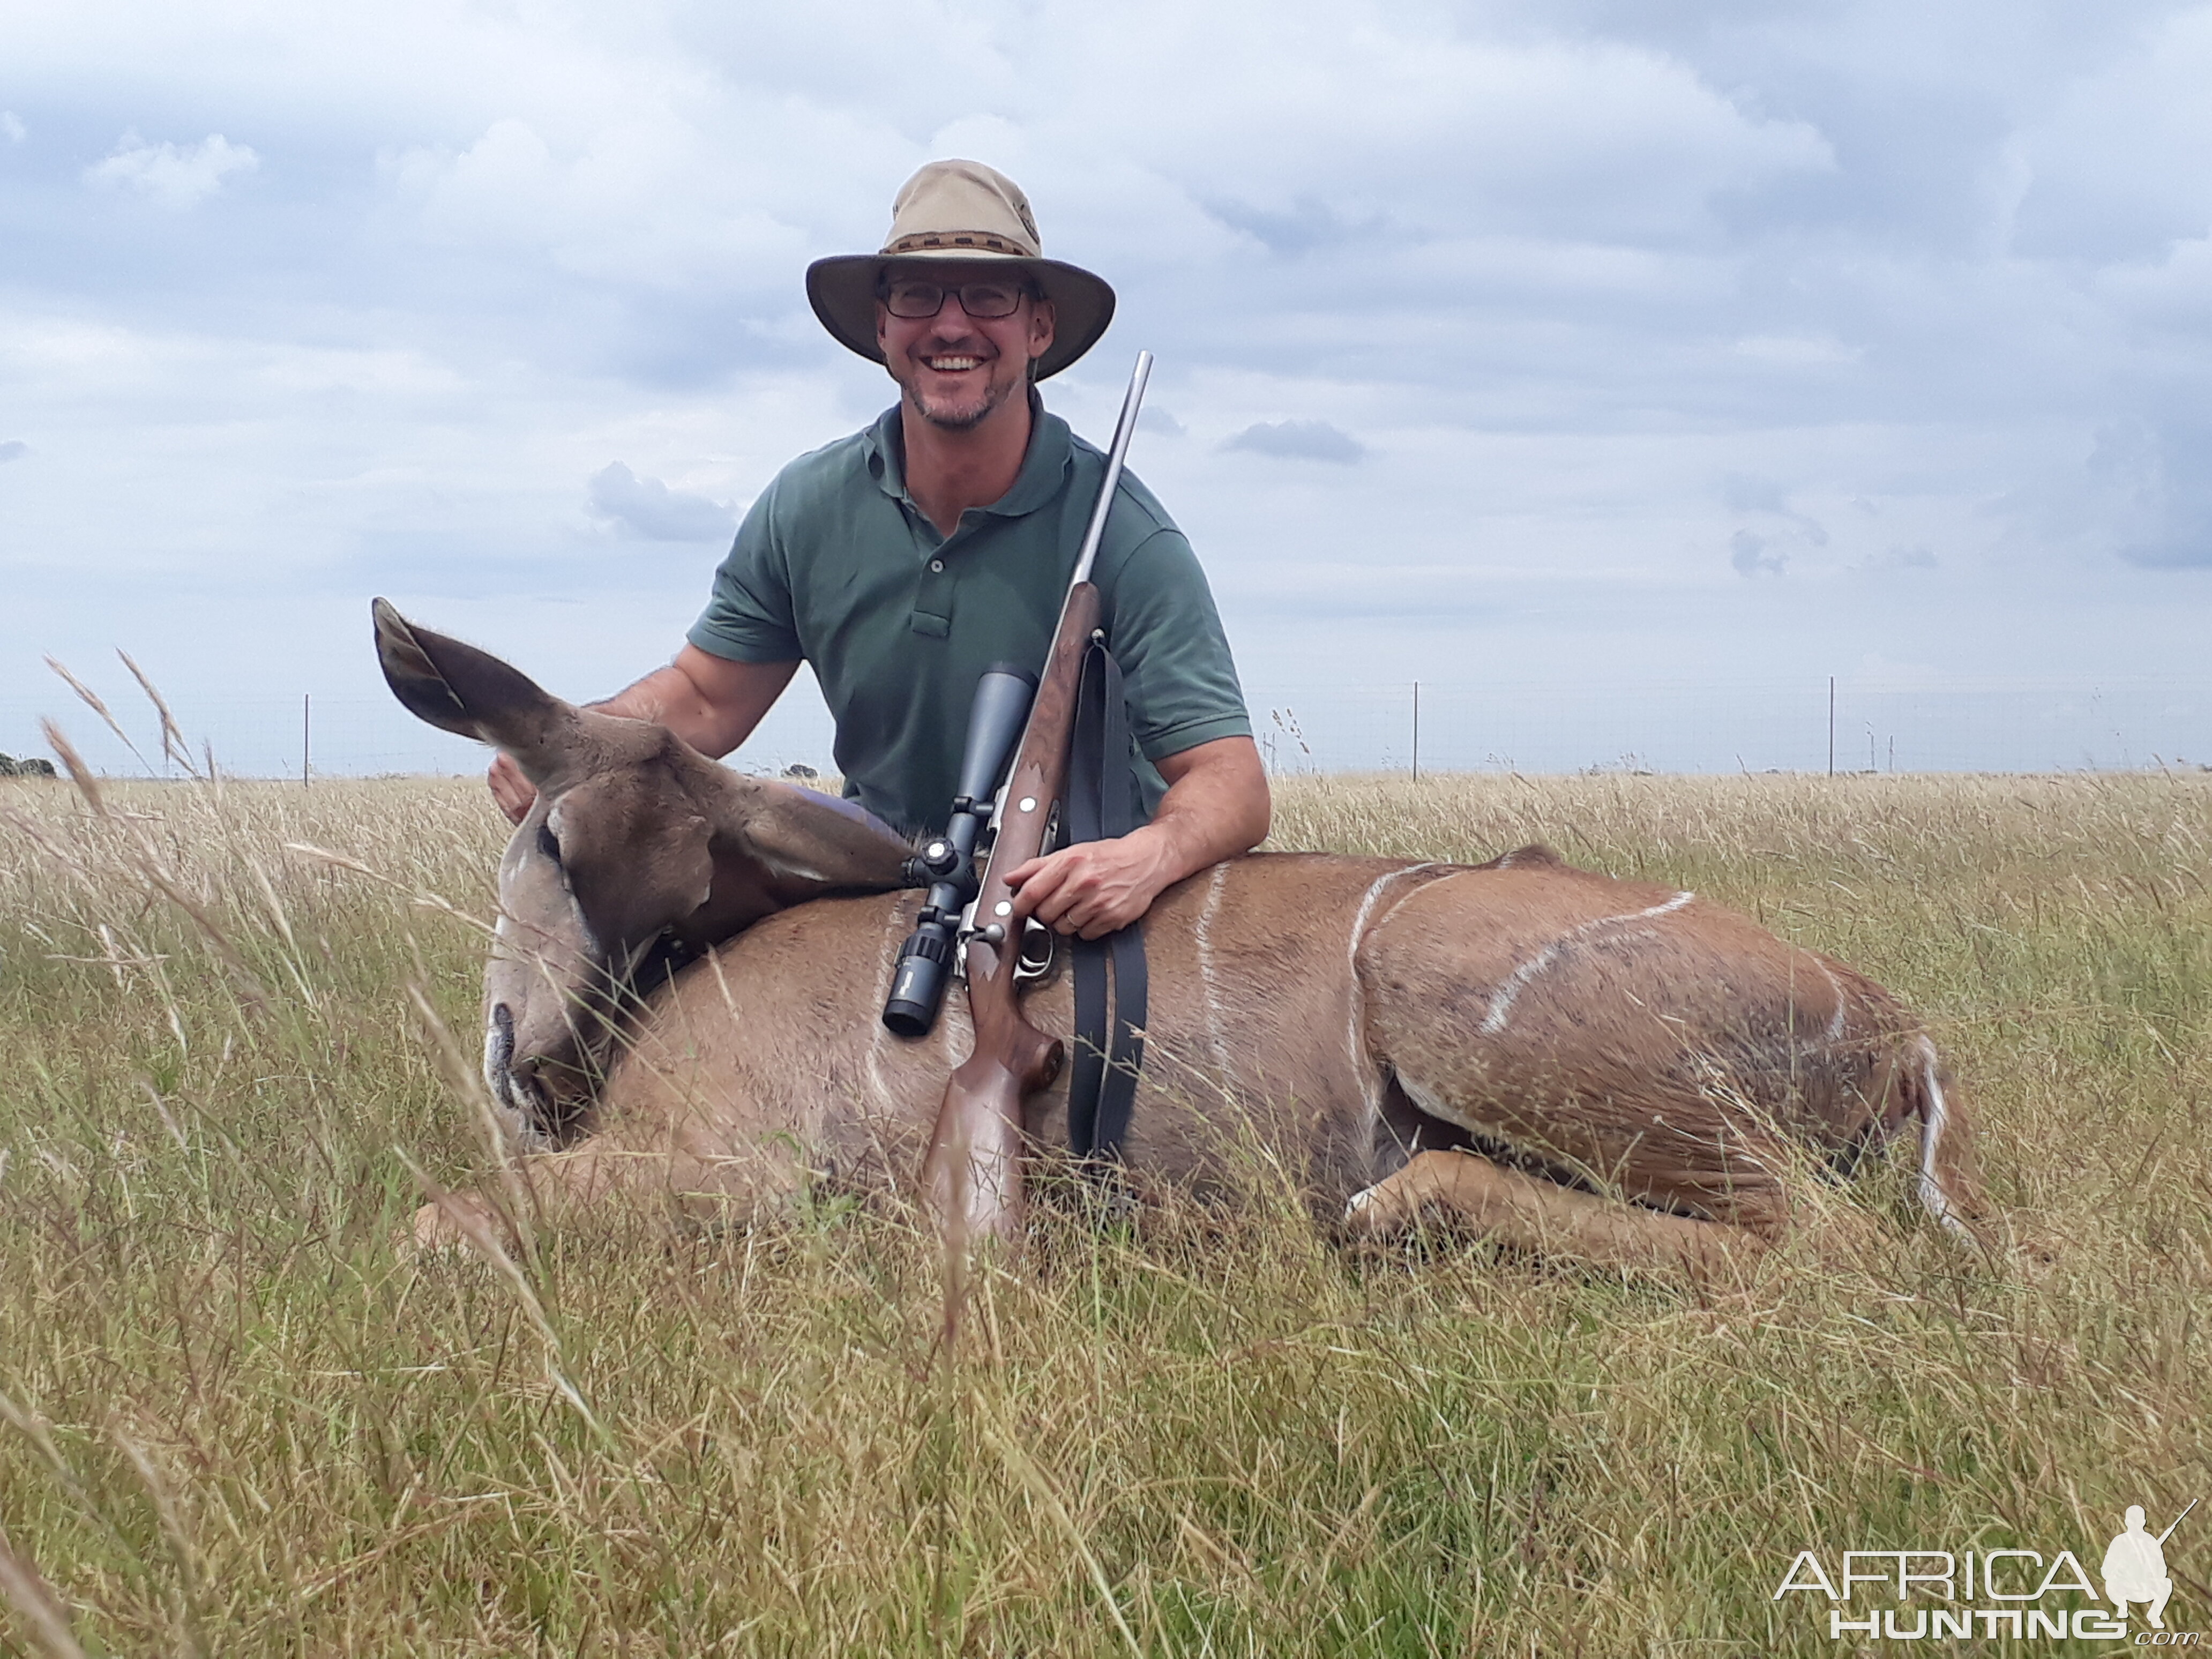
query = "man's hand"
{"x": 1097, "y": 887}
{"x": 1216, "y": 807}
{"x": 516, "y": 793}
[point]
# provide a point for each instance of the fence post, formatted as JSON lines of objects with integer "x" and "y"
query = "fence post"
{"x": 1417, "y": 731}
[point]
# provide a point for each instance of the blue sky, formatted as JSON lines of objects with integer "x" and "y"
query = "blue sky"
{"x": 1571, "y": 346}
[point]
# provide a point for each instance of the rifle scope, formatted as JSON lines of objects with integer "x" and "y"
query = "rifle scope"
{"x": 947, "y": 862}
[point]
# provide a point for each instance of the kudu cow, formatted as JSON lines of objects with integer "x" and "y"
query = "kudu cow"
{"x": 1606, "y": 1069}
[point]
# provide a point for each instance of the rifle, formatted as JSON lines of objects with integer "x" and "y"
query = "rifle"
{"x": 2178, "y": 1520}
{"x": 972, "y": 1178}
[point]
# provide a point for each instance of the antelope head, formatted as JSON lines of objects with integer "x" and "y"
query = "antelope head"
{"x": 640, "y": 853}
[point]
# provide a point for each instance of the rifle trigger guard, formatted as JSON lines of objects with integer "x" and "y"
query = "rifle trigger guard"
{"x": 1040, "y": 949}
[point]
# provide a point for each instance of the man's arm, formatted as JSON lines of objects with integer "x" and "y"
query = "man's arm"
{"x": 1215, "y": 806}
{"x": 711, "y": 702}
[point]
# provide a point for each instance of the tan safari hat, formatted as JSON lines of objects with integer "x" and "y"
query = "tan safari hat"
{"x": 967, "y": 211}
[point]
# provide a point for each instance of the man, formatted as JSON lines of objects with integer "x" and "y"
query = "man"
{"x": 903, "y": 561}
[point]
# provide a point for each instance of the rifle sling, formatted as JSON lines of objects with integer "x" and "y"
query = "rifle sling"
{"x": 1101, "y": 1088}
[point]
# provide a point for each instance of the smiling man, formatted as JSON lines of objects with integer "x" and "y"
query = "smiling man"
{"x": 903, "y": 561}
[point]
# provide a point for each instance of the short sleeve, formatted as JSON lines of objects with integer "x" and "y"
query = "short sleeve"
{"x": 1177, "y": 674}
{"x": 749, "y": 617}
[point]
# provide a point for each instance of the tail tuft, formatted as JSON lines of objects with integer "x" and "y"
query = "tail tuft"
{"x": 1946, "y": 1187}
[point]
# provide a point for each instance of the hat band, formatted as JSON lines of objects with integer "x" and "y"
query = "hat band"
{"x": 976, "y": 238}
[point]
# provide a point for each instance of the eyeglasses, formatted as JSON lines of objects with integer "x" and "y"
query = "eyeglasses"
{"x": 914, "y": 300}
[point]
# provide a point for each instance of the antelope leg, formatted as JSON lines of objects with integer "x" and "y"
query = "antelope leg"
{"x": 1541, "y": 1216}
{"x": 549, "y": 1177}
{"x": 698, "y": 1188}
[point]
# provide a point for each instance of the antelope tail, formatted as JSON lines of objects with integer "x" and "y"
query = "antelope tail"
{"x": 1946, "y": 1183}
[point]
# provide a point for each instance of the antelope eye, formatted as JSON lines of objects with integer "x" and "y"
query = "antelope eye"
{"x": 547, "y": 844}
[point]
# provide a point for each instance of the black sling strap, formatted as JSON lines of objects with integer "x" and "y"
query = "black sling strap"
{"x": 1101, "y": 1088}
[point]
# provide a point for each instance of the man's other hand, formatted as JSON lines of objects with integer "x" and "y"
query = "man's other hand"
{"x": 516, "y": 793}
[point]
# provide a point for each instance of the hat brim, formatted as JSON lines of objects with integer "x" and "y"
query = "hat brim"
{"x": 842, "y": 291}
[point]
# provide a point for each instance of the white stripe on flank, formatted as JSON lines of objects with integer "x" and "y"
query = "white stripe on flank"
{"x": 1206, "y": 976}
{"x": 1370, "y": 1076}
{"x": 1501, "y": 1005}
{"x": 1843, "y": 1008}
{"x": 893, "y": 939}
{"x": 1404, "y": 899}
{"x": 1934, "y": 1121}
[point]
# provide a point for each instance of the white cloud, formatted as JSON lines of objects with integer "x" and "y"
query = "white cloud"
{"x": 14, "y": 449}
{"x": 648, "y": 508}
{"x": 177, "y": 177}
{"x": 1299, "y": 440}
{"x": 12, "y": 128}
{"x": 1797, "y": 351}
{"x": 1599, "y": 287}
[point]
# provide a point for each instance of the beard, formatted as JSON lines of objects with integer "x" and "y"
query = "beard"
{"x": 964, "y": 412}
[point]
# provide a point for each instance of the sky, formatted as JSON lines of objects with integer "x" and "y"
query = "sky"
{"x": 1582, "y": 360}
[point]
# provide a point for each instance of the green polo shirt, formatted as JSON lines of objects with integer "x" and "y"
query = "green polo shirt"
{"x": 836, "y": 565}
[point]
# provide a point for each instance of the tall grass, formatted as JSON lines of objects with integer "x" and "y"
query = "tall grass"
{"x": 234, "y": 1420}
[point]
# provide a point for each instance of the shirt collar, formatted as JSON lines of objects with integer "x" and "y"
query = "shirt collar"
{"x": 1044, "y": 466}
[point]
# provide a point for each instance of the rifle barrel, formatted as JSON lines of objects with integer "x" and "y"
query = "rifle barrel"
{"x": 2178, "y": 1519}
{"x": 1124, "y": 429}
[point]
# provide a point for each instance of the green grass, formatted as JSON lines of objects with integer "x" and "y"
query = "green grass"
{"x": 237, "y": 1421}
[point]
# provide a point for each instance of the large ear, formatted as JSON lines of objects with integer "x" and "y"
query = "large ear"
{"x": 459, "y": 688}
{"x": 811, "y": 844}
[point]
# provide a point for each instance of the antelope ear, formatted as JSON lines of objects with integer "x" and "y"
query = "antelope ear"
{"x": 809, "y": 844}
{"x": 472, "y": 693}
{"x": 630, "y": 885}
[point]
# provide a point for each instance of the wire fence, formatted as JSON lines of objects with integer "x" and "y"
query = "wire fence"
{"x": 1814, "y": 725}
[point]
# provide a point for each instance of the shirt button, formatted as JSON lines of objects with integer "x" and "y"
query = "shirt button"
{"x": 937, "y": 567}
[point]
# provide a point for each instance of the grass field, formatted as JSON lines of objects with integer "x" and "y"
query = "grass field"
{"x": 233, "y": 1420}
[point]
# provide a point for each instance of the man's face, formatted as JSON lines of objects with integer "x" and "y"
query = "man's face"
{"x": 954, "y": 368}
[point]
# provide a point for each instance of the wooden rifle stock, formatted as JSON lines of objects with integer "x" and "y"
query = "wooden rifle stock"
{"x": 972, "y": 1178}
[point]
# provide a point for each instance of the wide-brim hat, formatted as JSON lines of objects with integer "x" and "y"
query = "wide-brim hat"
{"x": 966, "y": 211}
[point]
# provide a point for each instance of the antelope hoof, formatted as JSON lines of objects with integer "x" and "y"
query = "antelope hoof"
{"x": 1374, "y": 1213}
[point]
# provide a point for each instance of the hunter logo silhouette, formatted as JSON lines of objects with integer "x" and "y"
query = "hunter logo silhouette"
{"x": 2134, "y": 1567}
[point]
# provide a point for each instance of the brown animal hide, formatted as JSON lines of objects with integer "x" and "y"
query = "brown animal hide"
{"x": 1615, "y": 1069}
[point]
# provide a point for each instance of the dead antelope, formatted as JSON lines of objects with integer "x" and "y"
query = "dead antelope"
{"x": 1606, "y": 1069}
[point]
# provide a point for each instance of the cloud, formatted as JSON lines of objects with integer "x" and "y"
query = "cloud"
{"x": 2152, "y": 495}
{"x": 1749, "y": 554}
{"x": 1747, "y": 493}
{"x": 1304, "y": 225}
{"x": 13, "y": 448}
{"x": 1573, "y": 267}
{"x": 1788, "y": 351}
{"x": 1299, "y": 440}
{"x": 12, "y": 128}
{"x": 649, "y": 508}
{"x": 2172, "y": 553}
{"x": 176, "y": 178}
